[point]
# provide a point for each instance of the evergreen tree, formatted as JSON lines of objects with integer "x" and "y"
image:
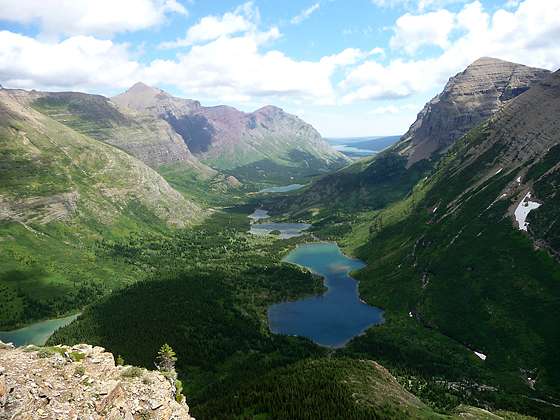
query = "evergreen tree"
{"x": 166, "y": 358}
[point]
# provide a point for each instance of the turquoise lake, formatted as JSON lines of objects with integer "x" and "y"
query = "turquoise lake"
{"x": 335, "y": 317}
{"x": 37, "y": 333}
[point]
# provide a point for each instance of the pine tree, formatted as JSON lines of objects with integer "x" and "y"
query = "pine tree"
{"x": 166, "y": 358}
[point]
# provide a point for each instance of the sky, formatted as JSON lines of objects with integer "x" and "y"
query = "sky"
{"x": 349, "y": 67}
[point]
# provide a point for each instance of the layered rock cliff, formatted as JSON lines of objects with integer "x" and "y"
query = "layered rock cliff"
{"x": 468, "y": 99}
{"x": 81, "y": 382}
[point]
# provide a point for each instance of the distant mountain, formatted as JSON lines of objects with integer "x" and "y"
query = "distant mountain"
{"x": 469, "y": 98}
{"x": 60, "y": 192}
{"x": 228, "y": 139}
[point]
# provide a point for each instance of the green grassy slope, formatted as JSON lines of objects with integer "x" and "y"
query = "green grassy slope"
{"x": 366, "y": 185}
{"x": 455, "y": 265}
{"x": 60, "y": 193}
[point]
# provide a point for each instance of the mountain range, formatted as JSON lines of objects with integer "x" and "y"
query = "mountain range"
{"x": 228, "y": 139}
{"x": 468, "y": 99}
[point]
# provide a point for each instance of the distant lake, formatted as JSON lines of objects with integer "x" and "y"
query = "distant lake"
{"x": 287, "y": 230}
{"x": 281, "y": 189}
{"x": 335, "y": 317}
{"x": 37, "y": 333}
{"x": 358, "y": 147}
{"x": 354, "y": 150}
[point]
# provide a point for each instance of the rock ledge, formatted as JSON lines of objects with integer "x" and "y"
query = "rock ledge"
{"x": 81, "y": 382}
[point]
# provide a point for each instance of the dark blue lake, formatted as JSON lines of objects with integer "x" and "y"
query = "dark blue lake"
{"x": 335, "y": 317}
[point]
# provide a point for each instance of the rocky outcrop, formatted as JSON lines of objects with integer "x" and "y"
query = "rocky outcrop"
{"x": 469, "y": 98}
{"x": 225, "y": 137}
{"x": 40, "y": 210}
{"x": 81, "y": 382}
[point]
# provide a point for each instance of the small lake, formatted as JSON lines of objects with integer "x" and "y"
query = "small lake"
{"x": 287, "y": 230}
{"x": 259, "y": 214}
{"x": 334, "y": 318}
{"x": 281, "y": 189}
{"x": 37, "y": 333}
{"x": 344, "y": 148}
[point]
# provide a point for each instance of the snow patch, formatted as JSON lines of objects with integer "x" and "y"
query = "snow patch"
{"x": 523, "y": 210}
{"x": 482, "y": 356}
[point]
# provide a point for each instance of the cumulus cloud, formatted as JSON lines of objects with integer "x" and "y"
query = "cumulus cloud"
{"x": 227, "y": 68}
{"x": 413, "y": 32}
{"x": 525, "y": 35}
{"x": 77, "y": 62}
{"x": 243, "y": 19}
{"x": 89, "y": 17}
{"x": 305, "y": 14}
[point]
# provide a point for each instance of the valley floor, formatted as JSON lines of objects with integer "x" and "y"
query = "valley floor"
{"x": 207, "y": 293}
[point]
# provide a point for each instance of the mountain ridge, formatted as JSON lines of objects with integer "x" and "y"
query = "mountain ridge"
{"x": 226, "y": 138}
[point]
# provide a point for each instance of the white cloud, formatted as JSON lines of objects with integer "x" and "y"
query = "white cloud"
{"x": 415, "y": 31}
{"x": 305, "y": 14}
{"x": 89, "y": 17}
{"x": 223, "y": 64}
{"x": 234, "y": 68}
{"x": 526, "y": 35}
{"x": 243, "y": 19}
{"x": 80, "y": 62}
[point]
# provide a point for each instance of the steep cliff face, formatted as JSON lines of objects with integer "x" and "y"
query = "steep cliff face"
{"x": 81, "y": 382}
{"x": 468, "y": 99}
{"x": 226, "y": 138}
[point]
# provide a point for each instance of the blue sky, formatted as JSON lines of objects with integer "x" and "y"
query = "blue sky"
{"x": 349, "y": 67}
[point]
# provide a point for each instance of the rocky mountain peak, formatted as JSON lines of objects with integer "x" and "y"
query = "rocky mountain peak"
{"x": 269, "y": 110}
{"x": 144, "y": 98}
{"x": 81, "y": 382}
{"x": 140, "y": 88}
{"x": 468, "y": 98}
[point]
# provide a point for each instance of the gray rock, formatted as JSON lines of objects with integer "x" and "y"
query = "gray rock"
{"x": 468, "y": 99}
